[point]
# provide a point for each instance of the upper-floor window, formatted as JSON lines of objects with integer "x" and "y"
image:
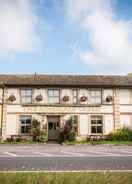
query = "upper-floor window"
{"x": 75, "y": 96}
{"x": 26, "y": 96}
{"x": 53, "y": 96}
{"x": 95, "y": 96}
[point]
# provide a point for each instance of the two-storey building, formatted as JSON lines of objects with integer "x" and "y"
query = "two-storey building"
{"x": 100, "y": 104}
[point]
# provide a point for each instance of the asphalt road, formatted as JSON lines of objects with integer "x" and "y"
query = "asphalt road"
{"x": 55, "y": 157}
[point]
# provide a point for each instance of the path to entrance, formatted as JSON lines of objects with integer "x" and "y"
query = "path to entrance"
{"x": 56, "y": 157}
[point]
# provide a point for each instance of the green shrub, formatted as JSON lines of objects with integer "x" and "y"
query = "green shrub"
{"x": 72, "y": 136}
{"x": 35, "y": 130}
{"x": 124, "y": 134}
{"x": 43, "y": 136}
{"x": 18, "y": 139}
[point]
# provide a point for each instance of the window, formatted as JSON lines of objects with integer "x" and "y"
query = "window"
{"x": 26, "y": 96}
{"x": 53, "y": 96}
{"x": 95, "y": 96}
{"x": 75, "y": 96}
{"x": 25, "y": 124}
{"x": 96, "y": 124}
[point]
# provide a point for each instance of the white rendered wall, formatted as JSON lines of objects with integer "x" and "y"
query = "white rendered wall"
{"x": 66, "y": 92}
{"x": 43, "y": 93}
{"x": 11, "y": 124}
{"x": 125, "y": 96}
{"x": 84, "y": 125}
{"x": 15, "y": 92}
{"x": 108, "y": 124}
{"x": 126, "y": 121}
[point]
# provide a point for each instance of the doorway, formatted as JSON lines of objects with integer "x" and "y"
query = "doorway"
{"x": 53, "y": 127}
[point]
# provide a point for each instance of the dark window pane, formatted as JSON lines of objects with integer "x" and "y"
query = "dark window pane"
{"x": 27, "y": 129}
{"x": 28, "y": 121}
{"x": 93, "y": 121}
{"x": 22, "y": 129}
{"x": 93, "y": 129}
{"x": 23, "y": 121}
{"x": 50, "y": 125}
{"x": 99, "y": 129}
{"x": 99, "y": 121}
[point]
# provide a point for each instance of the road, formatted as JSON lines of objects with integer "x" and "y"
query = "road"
{"x": 55, "y": 157}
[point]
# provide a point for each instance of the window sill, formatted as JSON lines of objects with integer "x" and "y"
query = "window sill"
{"x": 64, "y": 105}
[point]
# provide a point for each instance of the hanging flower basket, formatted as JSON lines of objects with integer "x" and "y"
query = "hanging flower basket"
{"x": 109, "y": 98}
{"x": 39, "y": 98}
{"x": 66, "y": 98}
{"x": 11, "y": 98}
{"x": 83, "y": 98}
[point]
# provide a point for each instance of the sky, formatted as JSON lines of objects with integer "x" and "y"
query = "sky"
{"x": 66, "y": 36}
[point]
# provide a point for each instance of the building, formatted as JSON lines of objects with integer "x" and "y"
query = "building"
{"x": 100, "y": 104}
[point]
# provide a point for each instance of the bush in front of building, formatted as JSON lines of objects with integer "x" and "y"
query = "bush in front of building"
{"x": 72, "y": 135}
{"x": 124, "y": 134}
{"x": 68, "y": 133}
{"x": 43, "y": 136}
{"x": 35, "y": 130}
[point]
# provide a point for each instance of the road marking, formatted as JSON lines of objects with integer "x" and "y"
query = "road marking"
{"x": 60, "y": 156}
{"x": 10, "y": 154}
{"x": 73, "y": 153}
{"x": 126, "y": 151}
{"x": 104, "y": 153}
{"x": 44, "y": 154}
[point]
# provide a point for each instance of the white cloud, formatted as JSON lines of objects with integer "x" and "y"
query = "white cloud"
{"x": 18, "y": 26}
{"x": 110, "y": 38}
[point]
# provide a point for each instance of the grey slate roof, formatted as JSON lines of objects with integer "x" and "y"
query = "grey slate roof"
{"x": 66, "y": 80}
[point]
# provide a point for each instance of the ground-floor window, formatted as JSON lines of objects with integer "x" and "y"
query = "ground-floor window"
{"x": 25, "y": 124}
{"x": 96, "y": 124}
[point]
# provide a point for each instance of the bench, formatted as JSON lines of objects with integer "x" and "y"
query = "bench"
{"x": 95, "y": 137}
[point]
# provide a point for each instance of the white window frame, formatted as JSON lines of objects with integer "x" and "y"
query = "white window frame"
{"x": 97, "y": 124}
{"x": 25, "y": 124}
{"x": 54, "y": 96}
{"x": 26, "y": 96}
{"x": 95, "y": 96}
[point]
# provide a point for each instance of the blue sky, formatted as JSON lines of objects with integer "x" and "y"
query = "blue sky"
{"x": 66, "y": 36}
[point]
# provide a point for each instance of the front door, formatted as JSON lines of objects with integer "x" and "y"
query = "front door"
{"x": 53, "y": 127}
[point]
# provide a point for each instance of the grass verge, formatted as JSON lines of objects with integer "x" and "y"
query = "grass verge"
{"x": 66, "y": 178}
{"x": 99, "y": 142}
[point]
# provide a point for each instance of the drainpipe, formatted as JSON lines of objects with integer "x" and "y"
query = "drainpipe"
{"x": 2, "y": 108}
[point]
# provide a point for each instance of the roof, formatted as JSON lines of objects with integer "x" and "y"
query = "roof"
{"x": 66, "y": 80}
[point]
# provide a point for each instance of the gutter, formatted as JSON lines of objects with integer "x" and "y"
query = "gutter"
{"x": 2, "y": 105}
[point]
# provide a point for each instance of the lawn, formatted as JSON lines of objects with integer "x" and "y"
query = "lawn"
{"x": 66, "y": 178}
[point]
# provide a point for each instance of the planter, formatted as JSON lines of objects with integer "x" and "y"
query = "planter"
{"x": 11, "y": 98}
{"x": 83, "y": 98}
{"x": 66, "y": 98}
{"x": 109, "y": 99}
{"x": 39, "y": 98}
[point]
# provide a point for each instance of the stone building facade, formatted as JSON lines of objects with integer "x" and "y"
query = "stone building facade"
{"x": 100, "y": 104}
